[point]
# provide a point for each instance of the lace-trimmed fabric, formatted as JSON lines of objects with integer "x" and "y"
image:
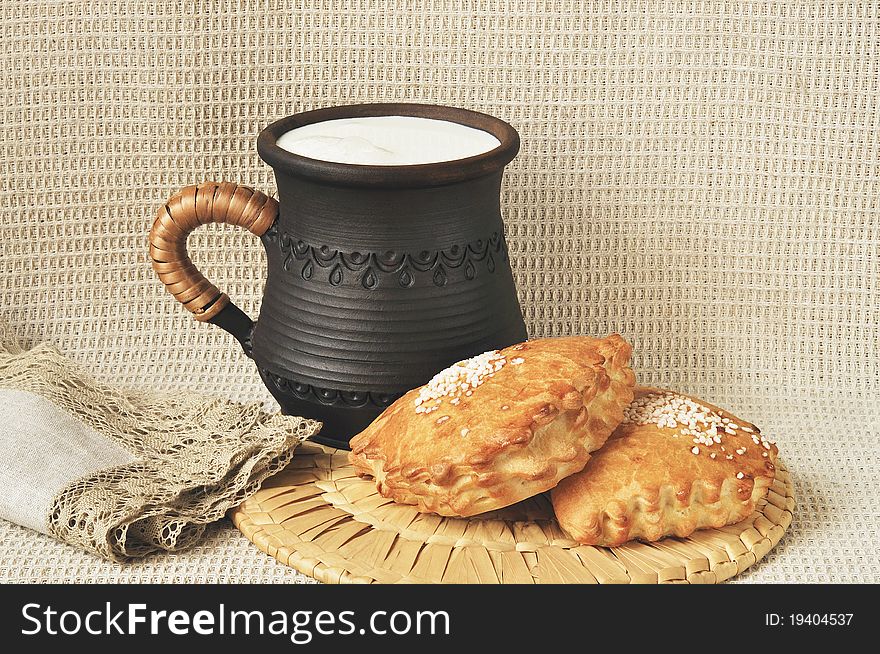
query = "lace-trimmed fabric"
{"x": 192, "y": 457}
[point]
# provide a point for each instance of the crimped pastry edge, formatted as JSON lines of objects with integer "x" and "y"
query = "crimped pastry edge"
{"x": 643, "y": 518}
{"x": 445, "y": 491}
{"x": 613, "y": 526}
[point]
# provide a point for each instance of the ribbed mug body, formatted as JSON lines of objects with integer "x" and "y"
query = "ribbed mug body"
{"x": 373, "y": 287}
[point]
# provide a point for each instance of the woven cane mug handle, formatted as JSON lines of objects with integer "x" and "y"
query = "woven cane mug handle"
{"x": 192, "y": 206}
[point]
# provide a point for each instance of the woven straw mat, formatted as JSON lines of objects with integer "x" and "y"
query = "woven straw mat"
{"x": 702, "y": 177}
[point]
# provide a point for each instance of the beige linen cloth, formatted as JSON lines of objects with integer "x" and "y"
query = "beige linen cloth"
{"x": 701, "y": 176}
{"x": 123, "y": 474}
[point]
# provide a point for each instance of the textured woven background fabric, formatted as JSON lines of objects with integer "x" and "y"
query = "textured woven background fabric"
{"x": 701, "y": 176}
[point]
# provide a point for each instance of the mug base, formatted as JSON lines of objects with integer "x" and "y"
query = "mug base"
{"x": 330, "y": 442}
{"x": 340, "y": 425}
{"x": 341, "y": 421}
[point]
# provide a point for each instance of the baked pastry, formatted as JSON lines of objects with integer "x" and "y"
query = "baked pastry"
{"x": 675, "y": 464}
{"x": 500, "y": 427}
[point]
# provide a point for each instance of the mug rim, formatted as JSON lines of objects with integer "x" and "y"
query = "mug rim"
{"x": 415, "y": 175}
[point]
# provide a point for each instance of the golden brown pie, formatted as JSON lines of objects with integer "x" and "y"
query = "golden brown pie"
{"x": 675, "y": 464}
{"x": 499, "y": 427}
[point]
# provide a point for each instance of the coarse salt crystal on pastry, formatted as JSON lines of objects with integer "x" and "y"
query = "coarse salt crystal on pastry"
{"x": 675, "y": 465}
{"x": 500, "y": 427}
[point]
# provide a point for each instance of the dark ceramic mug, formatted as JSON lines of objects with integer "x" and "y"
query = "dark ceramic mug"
{"x": 378, "y": 276}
